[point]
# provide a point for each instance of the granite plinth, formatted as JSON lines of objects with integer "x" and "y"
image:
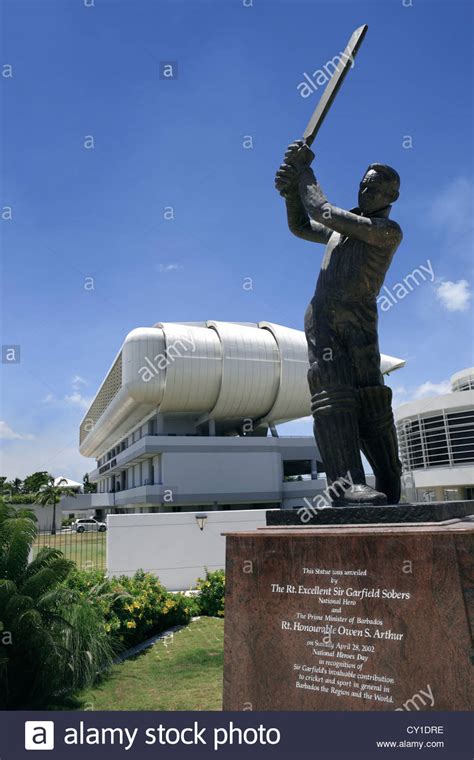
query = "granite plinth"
{"x": 351, "y": 617}
{"x": 422, "y": 512}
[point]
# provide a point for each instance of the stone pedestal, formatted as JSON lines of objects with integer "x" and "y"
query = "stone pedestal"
{"x": 369, "y": 617}
{"x": 422, "y": 512}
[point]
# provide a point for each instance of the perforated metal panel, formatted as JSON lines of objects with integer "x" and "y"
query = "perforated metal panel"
{"x": 108, "y": 390}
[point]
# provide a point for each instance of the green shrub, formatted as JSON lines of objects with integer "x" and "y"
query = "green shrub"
{"x": 52, "y": 640}
{"x": 211, "y": 593}
{"x": 194, "y": 605}
{"x": 135, "y": 608}
{"x": 19, "y": 498}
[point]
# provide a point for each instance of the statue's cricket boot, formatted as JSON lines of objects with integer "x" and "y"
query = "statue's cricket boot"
{"x": 361, "y": 495}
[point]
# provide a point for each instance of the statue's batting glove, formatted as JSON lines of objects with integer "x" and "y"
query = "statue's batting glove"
{"x": 299, "y": 155}
{"x": 286, "y": 180}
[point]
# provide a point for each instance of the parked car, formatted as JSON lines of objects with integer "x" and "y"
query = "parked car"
{"x": 88, "y": 523}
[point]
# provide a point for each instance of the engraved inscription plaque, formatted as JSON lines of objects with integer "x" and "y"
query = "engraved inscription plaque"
{"x": 354, "y": 618}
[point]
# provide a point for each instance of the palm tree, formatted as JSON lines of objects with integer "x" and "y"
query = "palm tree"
{"x": 12, "y": 486}
{"x": 52, "y": 494}
{"x": 56, "y": 641}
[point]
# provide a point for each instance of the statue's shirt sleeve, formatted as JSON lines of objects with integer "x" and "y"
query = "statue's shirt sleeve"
{"x": 376, "y": 231}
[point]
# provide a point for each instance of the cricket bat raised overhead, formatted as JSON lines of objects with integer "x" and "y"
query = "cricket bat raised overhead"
{"x": 334, "y": 84}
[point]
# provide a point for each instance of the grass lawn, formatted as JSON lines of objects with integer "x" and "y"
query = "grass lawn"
{"x": 87, "y": 550}
{"x": 181, "y": 673}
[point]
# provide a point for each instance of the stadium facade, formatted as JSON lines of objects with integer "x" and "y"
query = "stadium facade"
{"x": 186, "y": 418}
{"x": 436, "y": 442}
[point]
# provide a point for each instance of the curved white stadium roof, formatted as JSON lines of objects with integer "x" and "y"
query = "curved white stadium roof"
{"x": 226, "y": 370}
{"x": 459, "y": 398}
{"x": 463, "y": 380}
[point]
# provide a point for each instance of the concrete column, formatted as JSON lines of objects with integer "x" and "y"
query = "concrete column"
{"x": 314, "y": 469}
{"x": 158, "y": 470}
{"x": 150, "y": 472}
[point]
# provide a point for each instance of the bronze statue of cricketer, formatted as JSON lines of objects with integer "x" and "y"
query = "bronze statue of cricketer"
{"x": 350, "y": 404}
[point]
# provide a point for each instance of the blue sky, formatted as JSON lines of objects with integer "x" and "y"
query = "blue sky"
{"x": 81, "y": 74}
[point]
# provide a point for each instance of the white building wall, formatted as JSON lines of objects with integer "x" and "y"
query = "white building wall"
{"x": 257, "y": 472}
{"x": 44, "y": 515}
{"x": 171, "y": 545}
{"x": 438, "y": 462}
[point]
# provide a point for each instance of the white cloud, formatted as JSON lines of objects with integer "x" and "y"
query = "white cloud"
{"x": 172, "y": 267}
{"x": 71, "y": 399}
{"x": 75, "y": 399}
{"x": 432, "y": 389}
{"x": 77, "y": 381}
{"x": 454, "y": 296}
{"x": 55, "y": 445}
{"x": 452, "y": 208}
{"x": 8, "y": 434}
{"x": 399, "y": 395}
{"x": 51, "y": 451}
{"x": 402, "y": 395}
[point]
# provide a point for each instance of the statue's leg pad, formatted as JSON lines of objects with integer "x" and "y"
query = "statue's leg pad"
{"x": 378, "y": 439}
{"x": 335, "y": 414}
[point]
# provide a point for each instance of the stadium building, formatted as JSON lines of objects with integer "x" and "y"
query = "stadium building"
{"x": 436, "y": 442}
{"x": 186, "y": 419}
